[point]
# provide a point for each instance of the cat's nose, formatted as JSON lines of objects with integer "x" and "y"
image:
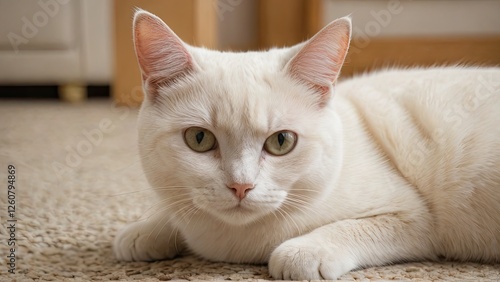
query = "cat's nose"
{"x": 240, "y": 190}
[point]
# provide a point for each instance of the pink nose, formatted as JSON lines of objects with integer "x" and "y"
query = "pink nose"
{"x": 240, "y": 190}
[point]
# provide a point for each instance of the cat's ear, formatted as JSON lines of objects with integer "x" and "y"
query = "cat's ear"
{"x": 162, "y": 55}
{"x": 319, "y": 60}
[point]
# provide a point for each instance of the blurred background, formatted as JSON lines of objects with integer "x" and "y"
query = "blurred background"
{"x": 78, "y": 49}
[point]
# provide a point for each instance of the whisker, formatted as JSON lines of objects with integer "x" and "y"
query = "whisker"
{"x": 151, "y": 189}
{"x": 165, "y": 207}
{"x": 165, "y": 223}
{"x": 129, "y": 193}
{"x": 156, "y": 226}
{"x": 285, "y": 218}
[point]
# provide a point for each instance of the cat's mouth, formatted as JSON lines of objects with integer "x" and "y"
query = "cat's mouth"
{"x": 239, "y": 212}
{"x": 243, "y": 210}
{"x": 239, "y": 208}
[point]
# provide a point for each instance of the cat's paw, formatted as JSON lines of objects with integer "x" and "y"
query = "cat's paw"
{"x": 138, "y": 242}
{"x": 305, "y": 259}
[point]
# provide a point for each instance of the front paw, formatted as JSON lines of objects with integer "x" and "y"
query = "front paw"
{"x": 140, "y": 242}
{"x": 306, "y": 259}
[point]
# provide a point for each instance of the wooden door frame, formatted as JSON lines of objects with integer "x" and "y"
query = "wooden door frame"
{"x": 287, "y": 22}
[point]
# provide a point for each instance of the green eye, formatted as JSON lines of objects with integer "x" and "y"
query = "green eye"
{"x": 199, "y": 139}
{"x": 280, "y": 143}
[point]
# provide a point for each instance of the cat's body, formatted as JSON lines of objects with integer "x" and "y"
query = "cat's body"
{"x": 437, "y": 132}
{"x": 399, "y": 165}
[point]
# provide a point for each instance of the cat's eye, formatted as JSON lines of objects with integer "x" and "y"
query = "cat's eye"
{"x": 280, "y": 143}
{"x": 199, "y": 139}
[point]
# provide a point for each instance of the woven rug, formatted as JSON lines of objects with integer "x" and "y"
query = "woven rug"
{"x": 78, "y": 180}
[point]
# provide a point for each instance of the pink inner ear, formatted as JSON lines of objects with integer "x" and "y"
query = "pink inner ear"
{"x": 319, "y": 62}
{"x": 162, "y": 55}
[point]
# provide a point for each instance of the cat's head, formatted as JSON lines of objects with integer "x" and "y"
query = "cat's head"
{"x": 239, "y": 136}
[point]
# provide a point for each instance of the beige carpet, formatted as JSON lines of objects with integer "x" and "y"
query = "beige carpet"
{"x": 66, "y": 219}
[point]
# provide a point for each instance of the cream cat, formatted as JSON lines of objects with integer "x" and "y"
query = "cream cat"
{"x": 259, "y": 157}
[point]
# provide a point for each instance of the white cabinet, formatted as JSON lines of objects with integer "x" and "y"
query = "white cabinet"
{"x": 55, "y": 42}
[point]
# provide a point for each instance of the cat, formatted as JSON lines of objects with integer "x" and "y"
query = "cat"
{"x": 262, "y": 157}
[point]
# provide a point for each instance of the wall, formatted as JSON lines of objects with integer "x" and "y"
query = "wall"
{"x": 419, "y": 17}
{"x": 405, "y": 33}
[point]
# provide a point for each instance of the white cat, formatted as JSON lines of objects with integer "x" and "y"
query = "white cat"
{"x": 258, "y": 157}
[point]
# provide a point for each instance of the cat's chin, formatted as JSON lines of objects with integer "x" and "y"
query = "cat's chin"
{"x": 239, "y": 215}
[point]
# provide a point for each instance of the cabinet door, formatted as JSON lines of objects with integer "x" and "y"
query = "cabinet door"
{"x": 39, "y": 41}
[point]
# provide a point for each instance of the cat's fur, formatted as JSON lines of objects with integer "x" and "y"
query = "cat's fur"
{"x": 393, "y": 166}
